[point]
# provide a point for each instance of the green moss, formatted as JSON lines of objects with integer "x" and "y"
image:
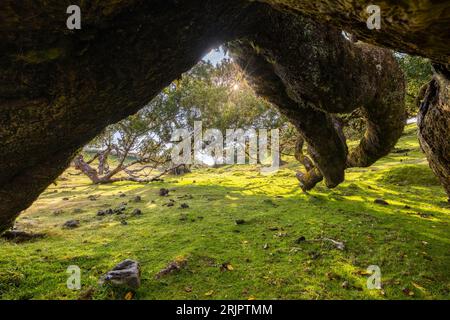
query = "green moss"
{"x": 408, "y": 239}
{"x": 411, "y": 175}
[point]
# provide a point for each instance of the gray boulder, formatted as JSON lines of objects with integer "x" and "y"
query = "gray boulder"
{"x": 126, "y": 274}
{"x": 71, "y": 224}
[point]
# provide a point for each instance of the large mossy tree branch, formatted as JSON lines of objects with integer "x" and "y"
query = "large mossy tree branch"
{"x": 311, "y": 73}
{"x": 59, "y": 88}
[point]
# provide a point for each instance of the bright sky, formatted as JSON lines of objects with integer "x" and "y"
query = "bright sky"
{"x": 215, "y": 55}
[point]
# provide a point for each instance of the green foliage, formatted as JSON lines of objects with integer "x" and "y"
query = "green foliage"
{"x": 418, "y": 72}
{"x": 219, "y": 96}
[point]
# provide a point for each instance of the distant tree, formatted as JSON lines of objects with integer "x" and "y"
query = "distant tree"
{"x": 418, "y": 73}
{"x": 217, "y": 95}
{"x": 139, "y": 144}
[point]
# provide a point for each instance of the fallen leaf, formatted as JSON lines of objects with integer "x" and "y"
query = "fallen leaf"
{"x": 129, "y": 295}
{"x": 226, "y": 266}
{"x": 209, "y": 293}
{"x": 418, "y": 286}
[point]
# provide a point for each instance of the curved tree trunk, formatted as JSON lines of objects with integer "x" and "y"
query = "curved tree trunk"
{"x": 434, "y": 127}
{"x": 60, "y": 88}
{"x": 321, "y": 74}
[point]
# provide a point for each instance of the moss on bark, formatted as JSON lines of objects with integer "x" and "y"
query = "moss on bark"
{"x": 59, "y": 88}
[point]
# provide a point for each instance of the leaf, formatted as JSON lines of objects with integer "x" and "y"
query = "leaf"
{"x": 418, "y": 286}
{"x": 209, "y": 293}
{"x": 226, "y": 266}
{"x": 129, "y": 295}
{"x": 251, "y": 298}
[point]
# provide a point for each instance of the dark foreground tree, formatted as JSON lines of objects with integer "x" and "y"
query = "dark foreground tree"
{"x": 60, "y": 88}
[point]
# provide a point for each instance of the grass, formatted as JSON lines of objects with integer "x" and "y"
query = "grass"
{"x": 408, "y": 239}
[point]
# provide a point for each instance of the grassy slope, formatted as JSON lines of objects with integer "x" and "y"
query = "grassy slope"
{"x": 411, "y": 246}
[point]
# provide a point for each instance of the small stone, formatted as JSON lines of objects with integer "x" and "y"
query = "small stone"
{"x": 137, "y": 199}
{"x": 300, "y": 239}
{"x": 120, "y": 209}
{"x": 123, "y": 222}
{"x": 163, "y": 192}
{"x": 122, "y": 195}
{"x": 125, "y": 274}
{"x": 170, "y": 204}
{"x": 239, "y": 221}
{"x": 184, "y": 206}
{"x": 104, "y": 212}
{"x": 381, "y": 201}
{"x": 92, "y": 198}
{"x": 77, "y": 210}
{"x": 71, "y": 224}
{"x": 345, "y": 285}
{"x": 58, "y": 212}
{"x": 65, "y": 199}
{"x": 136, "y": 212}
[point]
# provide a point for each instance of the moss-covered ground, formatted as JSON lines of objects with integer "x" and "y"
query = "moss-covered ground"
{"x": 265, "y": 256}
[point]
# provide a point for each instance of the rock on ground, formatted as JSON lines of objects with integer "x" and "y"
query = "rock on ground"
{"x": 127, "y": 274}
{"x": 71, "y": 224}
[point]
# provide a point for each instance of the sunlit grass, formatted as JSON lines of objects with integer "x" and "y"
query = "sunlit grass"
{"x": 409, "y": 239}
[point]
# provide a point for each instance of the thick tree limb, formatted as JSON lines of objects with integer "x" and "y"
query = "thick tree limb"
{"x": 60, "y": 88}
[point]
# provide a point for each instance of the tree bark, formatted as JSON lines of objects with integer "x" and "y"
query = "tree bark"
{"x": 327, "y": 79}
{"x": 103, "y": 166}
{"x": 434, "y": 127}
{"x": 60, "y": 88}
